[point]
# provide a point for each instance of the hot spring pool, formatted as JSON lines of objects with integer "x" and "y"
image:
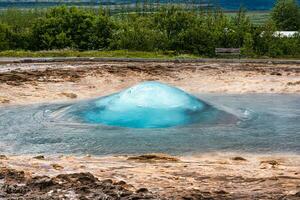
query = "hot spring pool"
{"x": 260, "y": 123}
{"x": 147, "y": 105}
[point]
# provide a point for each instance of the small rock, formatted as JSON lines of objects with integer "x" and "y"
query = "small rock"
{"x": 276, "y": 74}
{"x": 41, "y": 157}
{"x": 239, "y": 158}
{"x": 293, "y": 83}
{"x": 41, "y": 182}
{"x": 69, "y": 95}
{"x": 142, "y": 190}
{"x": 107, "y": 181}
{"x": 15, "y": 189}
{"x": 57, "y": 167}
{"x": 3, "y": 157}
{"x": 121, "y": 183}
{"x": 270, "y": 162}
{"x": 5, "y": 101}
{"x": 154, "y": 157}
{"x": 11, "y": 174}
{"x": 221, "y": 192}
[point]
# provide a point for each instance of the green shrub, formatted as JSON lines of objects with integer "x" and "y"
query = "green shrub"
{"x": 138, "y": 33}
{"x": 64, "y": 27}
{"x": 197, "y": 40}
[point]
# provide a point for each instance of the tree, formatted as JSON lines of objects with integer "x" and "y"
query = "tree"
{"x": 286, "y": 15}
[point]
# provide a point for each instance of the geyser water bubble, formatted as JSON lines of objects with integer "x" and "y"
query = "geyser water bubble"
{"x": 148, "y": 105}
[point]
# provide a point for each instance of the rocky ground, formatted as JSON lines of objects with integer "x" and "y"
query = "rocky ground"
{"x": 65, "y": 186}
{"x": 25, "y": 83}
{"x": 152, "y": 176}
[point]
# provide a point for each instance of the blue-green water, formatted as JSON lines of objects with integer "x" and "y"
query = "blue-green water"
{"x": 268, "y": 123}
{"x": 148, "y": 105}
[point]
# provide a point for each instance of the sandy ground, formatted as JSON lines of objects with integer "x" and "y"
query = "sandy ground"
{"x": 206, "y": 176}
{"x": 44, "y": 82}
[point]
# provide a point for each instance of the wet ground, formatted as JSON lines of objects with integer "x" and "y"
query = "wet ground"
{"x": 27, "y": 83}
{"x": 152, "y": 176}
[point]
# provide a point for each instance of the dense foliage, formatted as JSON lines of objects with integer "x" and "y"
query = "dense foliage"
{"x": 168, "y": 29}
{"x": 73, "y": 28}
{"x": 286, "y": 15}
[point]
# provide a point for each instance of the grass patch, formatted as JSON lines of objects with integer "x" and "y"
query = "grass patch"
{"x": 256, "y": 17}
{"x": 117, "y": 54}
{"x": 97, "y": 54}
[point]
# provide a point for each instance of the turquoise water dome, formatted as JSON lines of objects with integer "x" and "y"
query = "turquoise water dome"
{"x": 147, "y": 105}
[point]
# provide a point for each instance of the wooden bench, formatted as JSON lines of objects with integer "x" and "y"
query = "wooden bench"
{"x": 228, "y": 52}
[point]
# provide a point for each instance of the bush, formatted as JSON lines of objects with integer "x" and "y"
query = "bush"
{"x": 198, "y": 40}
{"x": 142, "y": 39}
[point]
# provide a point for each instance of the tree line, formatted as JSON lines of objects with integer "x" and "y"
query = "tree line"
{"x": 170, "y": 28}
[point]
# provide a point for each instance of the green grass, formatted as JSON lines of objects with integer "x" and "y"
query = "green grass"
{"x": 114, "y": 54}
{"x": 259, "y": 18}
{"x": 256, "y": 17}
{"x": 100, "y": 54}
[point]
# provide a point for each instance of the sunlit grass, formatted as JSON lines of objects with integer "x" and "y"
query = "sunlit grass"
{"x": 98, "y": 54}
